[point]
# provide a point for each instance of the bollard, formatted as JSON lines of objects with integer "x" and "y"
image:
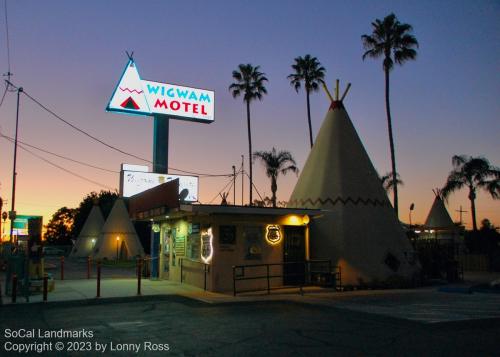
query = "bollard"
{"x": 89, "y": 266}
{"x": 98, "y": 279}
{"x": 62, "y": 267}
{"x": 45, "y": 286}
{"x": 139, "y": 274}
{"x": 14, "y": 288}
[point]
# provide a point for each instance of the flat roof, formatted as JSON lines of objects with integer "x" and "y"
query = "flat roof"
{"x": 231, "y": 209}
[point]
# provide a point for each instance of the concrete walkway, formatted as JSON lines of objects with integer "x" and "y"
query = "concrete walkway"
{"x": 83, "y": 290}
{"x": 428, "y": 304}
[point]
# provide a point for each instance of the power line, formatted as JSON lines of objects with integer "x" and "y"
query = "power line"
{"x": 4, "y": 93}
{"x": 65, "y": 170}
{"x": 111, "y": 146}
{"x": 7, "y": 42}
{"x": 255, "y": 189}
{"x": 222, "y": 190}
{"x": 58, "y": 155}
{"x": 83, "y": 131}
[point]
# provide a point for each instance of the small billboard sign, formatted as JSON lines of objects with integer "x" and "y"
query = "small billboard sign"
{"x": 134, "y": 182}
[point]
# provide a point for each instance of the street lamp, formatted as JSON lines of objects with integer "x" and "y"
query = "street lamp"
{"x": 117, "y": 240}
{"x": 412, "y": 206}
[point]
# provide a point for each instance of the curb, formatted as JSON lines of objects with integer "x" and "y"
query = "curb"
{"x": 104, "y": 301}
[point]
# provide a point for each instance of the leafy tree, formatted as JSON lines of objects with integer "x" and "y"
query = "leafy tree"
{"x": 265, "y": 202}
{"x": 388, "y": 181}
{"x": 249, "y": 83}
{"x": 391, "y": 40}
{"x": 276, "y": 163}
{"x": 59, "y": 228}
{"x": 307, "y": 69}
{"x": 105, "y": 200}
{"x": 474, "y": 173}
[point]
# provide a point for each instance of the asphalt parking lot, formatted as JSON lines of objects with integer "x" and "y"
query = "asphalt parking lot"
{"x": 278, "y": 328}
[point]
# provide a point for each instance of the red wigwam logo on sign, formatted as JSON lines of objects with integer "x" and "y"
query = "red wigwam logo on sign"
{"x": 129, "y": 103}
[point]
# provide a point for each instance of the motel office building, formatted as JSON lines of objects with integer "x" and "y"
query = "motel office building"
{"x": 200, "y": 244}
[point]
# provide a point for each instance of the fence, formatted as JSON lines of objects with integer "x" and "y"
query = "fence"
{"x": 474, "y": 262}
{"x": 193, "y": 267}
{"x": 290, "y": 274}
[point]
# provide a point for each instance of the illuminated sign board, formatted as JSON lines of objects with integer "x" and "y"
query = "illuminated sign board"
{"x": 134, "y": 182}
{"x": 20, "y": 225}
{"x": 273, "y": 234}
{"x": 134, "y": 95}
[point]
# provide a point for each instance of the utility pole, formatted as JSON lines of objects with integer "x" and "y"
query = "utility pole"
{"x": 460, "y": 211}
{"x": 12, "y": 213}
{"x": 234, "y": 185}
{"x": 242, "y": 177}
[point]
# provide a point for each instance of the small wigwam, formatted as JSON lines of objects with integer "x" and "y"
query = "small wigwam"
{"x": 439, "y": 224}
{"x": 358, "y": 230}
{"x": 89, "y": 234}
{"x": 118, "y": 238}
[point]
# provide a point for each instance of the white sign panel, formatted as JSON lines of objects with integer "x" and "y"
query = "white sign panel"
{"x": 135, "y": 182}
{"x": 131, "y": 167}
{"x": 136, "y": 96}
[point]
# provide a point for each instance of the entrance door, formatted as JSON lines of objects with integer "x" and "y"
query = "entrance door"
{"x": 294, "y": 254}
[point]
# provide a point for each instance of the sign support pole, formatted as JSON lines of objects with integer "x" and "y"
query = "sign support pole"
{"x": 160, "y": 144}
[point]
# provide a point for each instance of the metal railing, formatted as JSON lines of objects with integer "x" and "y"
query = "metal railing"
{"x": 205, "y": 270}
{"x": 305, "y": 273}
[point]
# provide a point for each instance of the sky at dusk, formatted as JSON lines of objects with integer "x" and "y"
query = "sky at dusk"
{"x": 69, "y": 55}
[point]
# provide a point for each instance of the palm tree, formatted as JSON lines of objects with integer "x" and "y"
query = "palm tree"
{"x": 249, "y": 82}
{"x": 308, "y": 70}
{"x": 388, "y": 183}
{"x": 276, "y": 163}
{"x": 474, "y": 173}
{"x": 391, "y": 40}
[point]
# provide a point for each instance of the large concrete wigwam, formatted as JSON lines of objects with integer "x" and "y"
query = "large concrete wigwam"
{"x": 358, "y": 230}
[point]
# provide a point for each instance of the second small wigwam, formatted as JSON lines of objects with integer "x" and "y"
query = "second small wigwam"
{"x": 358, "y": 229}
{"x": 118, "y": 239}
{"x": 89, "y": 234}
{"x": 439, "y": 226}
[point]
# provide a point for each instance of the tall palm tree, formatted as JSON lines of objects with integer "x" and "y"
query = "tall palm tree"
{"x": 276, "y": 163}
{"x": 474, "y": 173}
{"x": 249, "y": 82}
{"x": 391, "y": 40}
{"x": 388, "y": 183}
{"x": 308, "y": 70}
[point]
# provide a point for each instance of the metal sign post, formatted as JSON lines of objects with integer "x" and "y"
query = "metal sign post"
{"x": 160, "y": 144}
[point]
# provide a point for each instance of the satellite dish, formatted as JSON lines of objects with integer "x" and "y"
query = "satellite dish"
{"x": 183, "y": 194}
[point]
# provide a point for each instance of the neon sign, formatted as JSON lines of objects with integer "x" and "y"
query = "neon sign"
{"x": 207, "y": 248}
{"x": 273, "y": 234}
{"x": 134, "y": 95}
